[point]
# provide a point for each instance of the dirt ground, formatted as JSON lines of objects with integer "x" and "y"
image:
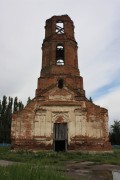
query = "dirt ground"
{"x": 92, "y": 171}
{"x": 6, "y": 163}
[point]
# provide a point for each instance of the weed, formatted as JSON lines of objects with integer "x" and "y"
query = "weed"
{"x": 28, "y": 171}
{"x": 48, "y": 165}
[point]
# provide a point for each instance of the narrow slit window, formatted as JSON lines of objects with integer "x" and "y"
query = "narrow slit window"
{"x": 60, "y": 83}
{"x": 59, "y": 27}
{"x": 60, "y": 55}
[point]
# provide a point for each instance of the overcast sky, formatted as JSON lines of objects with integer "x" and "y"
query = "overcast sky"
{"x": 97, "y": 32}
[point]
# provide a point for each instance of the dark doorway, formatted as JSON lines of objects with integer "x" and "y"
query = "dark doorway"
{"x": 60, "y": 136}
{"x": 60, "y": 145}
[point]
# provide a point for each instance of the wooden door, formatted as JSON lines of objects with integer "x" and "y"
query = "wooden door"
{"x": 60, "y": 136}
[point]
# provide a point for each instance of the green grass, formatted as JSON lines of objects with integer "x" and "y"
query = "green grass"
{"x": 48, "y": 165}
{"x": 59, "y": 158}
{"x": 30, "y": 172}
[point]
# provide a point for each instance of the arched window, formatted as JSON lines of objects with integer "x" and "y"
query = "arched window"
{"x": 60, "y": 55}
{"x": 59, "y": 27}
{"x": 60, "y": 83}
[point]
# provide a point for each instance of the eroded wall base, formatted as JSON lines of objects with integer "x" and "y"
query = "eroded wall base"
{"x": 73, "y": 146}
{"x": 87, "y": 126}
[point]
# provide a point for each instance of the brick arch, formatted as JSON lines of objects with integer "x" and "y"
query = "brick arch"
{"x": 59, "y": 119}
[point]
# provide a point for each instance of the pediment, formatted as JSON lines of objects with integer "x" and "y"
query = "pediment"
{"x": 57, "y": 94}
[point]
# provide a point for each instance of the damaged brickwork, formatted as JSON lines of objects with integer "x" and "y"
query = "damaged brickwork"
{"x": 60, "y": 117}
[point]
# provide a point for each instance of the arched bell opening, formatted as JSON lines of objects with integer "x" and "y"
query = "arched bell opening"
{"x": 60, "y": 55}
{"x": 59, "y": 27}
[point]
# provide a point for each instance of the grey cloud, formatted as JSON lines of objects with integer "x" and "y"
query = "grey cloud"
{"x": 22, "y": 32}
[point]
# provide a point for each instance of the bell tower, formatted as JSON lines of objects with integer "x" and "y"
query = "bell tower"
{"x": 59, "y": 56}
{"x": 60, "y": 117}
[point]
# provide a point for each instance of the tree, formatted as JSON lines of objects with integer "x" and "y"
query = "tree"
{"x": 7, "y": 120}
{"x": 20, "y": 105}
{"x": 15, "y": 108}
{"x": 91, "y": 100}
{"x": 17, "y": 105}
{"x": 3, "y": 118}
{"x": 28, "y": 101}
{"x": 115, "y": 133}
{"x": 0, "y": 121}
{"x": 6, "y": 109}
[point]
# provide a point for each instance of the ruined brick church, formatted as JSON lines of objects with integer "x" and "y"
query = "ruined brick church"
{"x": 60, "y": 117}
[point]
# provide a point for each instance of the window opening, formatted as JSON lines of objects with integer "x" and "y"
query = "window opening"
{"x": 60, "y": 55}
{"x": 59, "y": 27}
{"x": 60, "y": 83}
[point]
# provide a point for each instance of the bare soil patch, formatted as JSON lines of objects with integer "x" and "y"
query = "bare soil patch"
{"x": 6, "y": 163}
{"x": 92, "y": 171}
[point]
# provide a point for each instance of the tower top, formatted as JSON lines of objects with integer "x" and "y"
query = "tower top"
{"x": 64, "y": 17}
{"x": 59, "y": 57}
{"x": 59, "y": 25}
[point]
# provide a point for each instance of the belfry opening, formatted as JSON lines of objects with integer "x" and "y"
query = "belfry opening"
{"x": 59, "y": 27}
{"x": 60, "y": 117}
{"x": 60, "y": 55}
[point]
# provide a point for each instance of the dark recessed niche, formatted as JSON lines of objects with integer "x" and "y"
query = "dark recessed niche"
{"x": 60, "y": 83}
